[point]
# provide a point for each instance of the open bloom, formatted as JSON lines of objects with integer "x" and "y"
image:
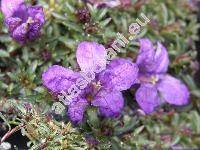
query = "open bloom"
{"x": 155, "y": 85}
{"x": 24, "y": 22}
{"x": 104, "y": 90}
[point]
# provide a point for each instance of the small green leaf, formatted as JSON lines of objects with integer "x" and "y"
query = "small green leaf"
{"x": 102, "y": 14}
{"x": 105, "y": 22}
{"x": 59, "y": 16}
{"x": 4, "y": 53}
{"x": 138, "y": 130}
{"x": 92, "y": 117}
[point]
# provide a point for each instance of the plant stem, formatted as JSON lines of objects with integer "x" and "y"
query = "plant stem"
{"x": 10, "y": 132}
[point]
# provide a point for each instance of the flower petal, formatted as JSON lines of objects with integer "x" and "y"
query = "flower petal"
{"x": 37, "y": 14}
{"x": 147, "y": 97}
{"x": 58, "y": 79}
{"x": 161, "y": 59}
{"x": 91, "y": 56}
{"x": 20, "y": 33}
{"x": 34, "y": 31}
{"x": 146, "y": 46}
{"x": 173, "y": 90}
{"x": 9, "y": 7}
{"x": 12, "y": 23}
{"x": 150, "y": 60}
{"x": 120, "y": 75}
{"x": 37, "y": 20}
{"x": 110, "y": 103}
{"x": 76, "y": 110}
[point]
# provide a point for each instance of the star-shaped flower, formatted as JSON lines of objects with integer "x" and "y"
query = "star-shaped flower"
{"x": 155, "y": 85}
{"x": 104, "y": 91}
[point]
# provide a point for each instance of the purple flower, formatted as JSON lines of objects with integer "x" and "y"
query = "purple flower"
{"x": 104, "y": 91}
{"x": 155, "y": 85}
{"x": 24, "y": 22}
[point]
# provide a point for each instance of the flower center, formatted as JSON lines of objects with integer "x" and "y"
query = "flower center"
{"x": 96, "y": 87}
{"x": 153, "y": 79}
{"x": 30, "y": 20}
{"x": 89, "y": 98}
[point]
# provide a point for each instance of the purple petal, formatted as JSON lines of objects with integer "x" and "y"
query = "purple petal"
{"x": 147, "y": 97}
{"x": 146, "y": 46}
{"x": 161, "y": 59}
{"x": 120, "y": 75}
{"x": 91, "y": 56}
{"x": 37, "y": 17}
{"x": 150, "y": 60}
{"x": 173, "y": 90}
{"x": 20, "y": 33}
{"x": 110, "y": 103}
{"x": 76, "y": 110}
{"x": 13, "y": 23}
{"x": 58, "y": 79}
{"x": 34, "y": 31}
{"x": 21, "y": 12}
{"x": 9, "y": 7}
{"x": 37, "y": 14}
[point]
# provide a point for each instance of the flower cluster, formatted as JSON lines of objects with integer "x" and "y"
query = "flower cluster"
{"x": 24, "y": 22}
{"x": 105, "y": 90}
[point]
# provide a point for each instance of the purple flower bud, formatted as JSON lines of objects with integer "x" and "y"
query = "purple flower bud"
{"x": 46, "y": 55}
{"x": 83, "y": 15}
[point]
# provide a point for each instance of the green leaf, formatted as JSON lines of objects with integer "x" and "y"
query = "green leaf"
{"x": 101, "y": 14}
{"x": 128, "y": 127}
{"x": 4, "y": 53}
{"x": 33, "y": 67}
{"x": 59, "y": 16}
{"x": 138, "y": 130}
{"x": 105, "y": 22}
{"x": 93, "y": 119}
